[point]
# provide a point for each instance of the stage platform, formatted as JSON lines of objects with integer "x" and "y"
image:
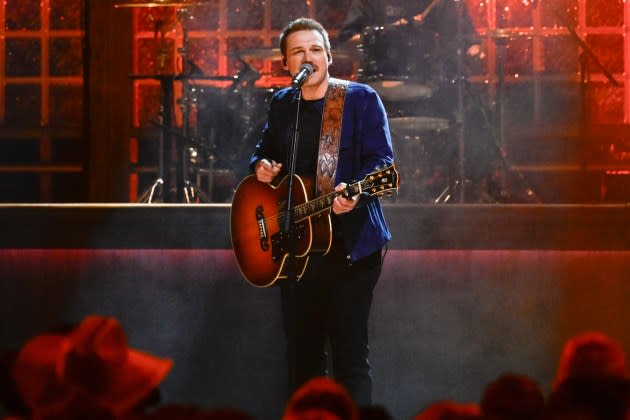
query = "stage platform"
{"x": 206, "y": 226}
{"x": 467, "y": 292}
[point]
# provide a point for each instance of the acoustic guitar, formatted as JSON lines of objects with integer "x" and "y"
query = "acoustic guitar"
{"x": 259, "y": 238}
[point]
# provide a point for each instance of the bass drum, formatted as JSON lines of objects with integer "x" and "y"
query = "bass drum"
{"x": 400, "y": 62}
{"x": 228, "y": 123}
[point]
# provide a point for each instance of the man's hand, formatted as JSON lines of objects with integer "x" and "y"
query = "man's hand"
{"x": 342, "y": 204}
{"x": 266, "y": 171}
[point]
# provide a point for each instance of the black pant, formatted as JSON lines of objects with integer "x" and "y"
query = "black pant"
{"x": 331, "y": 301}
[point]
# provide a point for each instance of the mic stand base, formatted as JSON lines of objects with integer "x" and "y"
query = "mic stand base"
{"x": 154, "y": 191}
{"x": 193, "y": 194}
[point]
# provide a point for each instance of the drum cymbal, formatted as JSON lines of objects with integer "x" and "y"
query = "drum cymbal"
{"x": 401, "y": 90}
{"x": 503, "y": 33}
{"x": 417, "y": 124}
{"x": 274, "y": 54}
{"x": 159, "y": 3}
{"x": 264, "y": 53}
{"x": 180, "y": 77}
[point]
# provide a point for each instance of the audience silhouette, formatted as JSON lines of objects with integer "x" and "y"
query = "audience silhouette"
{"x": 321, "y": 398}
{"x": 88, "y": 372}
{"x": 374, "y": 412}
{"x": 592, "y": 379}
{"x": 592, "y": 382}
{"x": 591, "y": 355}
{"x": 193, "y": 412}
{"x": 512, "y": 396}
{"x": 449, "y": 410}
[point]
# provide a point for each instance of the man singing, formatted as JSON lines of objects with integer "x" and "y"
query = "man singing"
{"x": 331, "y": 301}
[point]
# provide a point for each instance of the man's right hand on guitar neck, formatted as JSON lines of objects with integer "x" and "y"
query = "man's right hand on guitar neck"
{"x": 266, "y": 171}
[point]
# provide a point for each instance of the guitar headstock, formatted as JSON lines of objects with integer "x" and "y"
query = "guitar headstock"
{"x": 383, "y": 181}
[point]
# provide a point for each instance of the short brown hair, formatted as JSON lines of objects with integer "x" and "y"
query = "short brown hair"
{"x": 303, "y": 24}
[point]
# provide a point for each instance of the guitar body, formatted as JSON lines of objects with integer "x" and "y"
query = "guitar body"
{"x": 256, "y": 222}
{"x": 257, "y": 219}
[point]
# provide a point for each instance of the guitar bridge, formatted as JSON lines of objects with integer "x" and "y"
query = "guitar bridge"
{"x": 262, "y": 229}
{"x": 281, "y": 241}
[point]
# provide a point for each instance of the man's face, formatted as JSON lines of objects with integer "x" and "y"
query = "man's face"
{"x": 307, "y": 46}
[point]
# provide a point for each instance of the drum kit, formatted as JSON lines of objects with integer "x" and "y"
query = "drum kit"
{"x": 448, "y": 141}
{"x": 204, "y": 152}
{"x": 403, "y": 64}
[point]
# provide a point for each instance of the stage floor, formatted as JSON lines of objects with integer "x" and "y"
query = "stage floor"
{"x": 426, "y": 226}
{"x": 467, "y": 292}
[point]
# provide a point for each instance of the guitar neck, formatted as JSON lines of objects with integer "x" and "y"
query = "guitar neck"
{"x": 311, "y": 208}
{"x": 379, "y": 182}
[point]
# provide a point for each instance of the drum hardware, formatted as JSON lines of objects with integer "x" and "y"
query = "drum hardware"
{"x": 155, "y": 192}
{"x": 586, "y": 50}
{"x": 161, "y": 185}
{"x": 177, "y": 147}
{"x": 421, "y": 148}
{"x": 402, "y": 90}
{"x": 181, "y": 76}
{"x": 506, "y": 34}
{"x": 586, "y": 56}
{"x": 455, "y": 191}
{"x": 229, "y": 123}
{"x": 399, "y": 62}
{"x": 403, "y": 63}
{"x": 420, "y": 17}
{"x": 500, "y": 43}
{"x": 416, "y": 125}
{"x": 159, "y": 3}
{"x": 187, "y": 191}
{"x": 457, "y": 183}
{"x": 272, "y": 54}
{"x": 462, "y": 187}
{"x": 501, "y": 36}
{"x": 247, "y": 76}
{"x": 422, "y": 145}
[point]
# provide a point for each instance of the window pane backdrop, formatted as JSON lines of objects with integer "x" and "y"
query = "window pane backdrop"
{"x": 41, "y": 77}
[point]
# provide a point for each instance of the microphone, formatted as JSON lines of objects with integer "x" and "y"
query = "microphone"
{"x": 305, "y": 70}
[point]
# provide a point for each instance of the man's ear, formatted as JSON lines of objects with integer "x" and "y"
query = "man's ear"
{"x": 284, "y": 63}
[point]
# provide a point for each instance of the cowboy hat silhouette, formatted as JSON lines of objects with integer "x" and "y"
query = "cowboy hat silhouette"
{"x": 92, "y": 364}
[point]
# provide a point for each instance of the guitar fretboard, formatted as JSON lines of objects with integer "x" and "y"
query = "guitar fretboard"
{"x": 319, "y": 204}
{"x": 377, "y": 182}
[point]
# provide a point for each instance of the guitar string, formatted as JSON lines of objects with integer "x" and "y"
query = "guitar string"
{"x": 304, "y": 206}
{"x": 297, "y": 210}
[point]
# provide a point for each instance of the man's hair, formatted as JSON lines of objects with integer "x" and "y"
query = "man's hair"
{"x": 303, "y": 24}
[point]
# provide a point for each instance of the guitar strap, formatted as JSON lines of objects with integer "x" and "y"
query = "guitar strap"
{"x": 330, "y": 135}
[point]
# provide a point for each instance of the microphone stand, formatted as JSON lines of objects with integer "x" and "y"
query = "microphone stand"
{"x": 457, "y": 178}
{"x": 586, "y": 54}
{"x": 459, "y": 119}
{"x": 288, "y": 220}
{"x": 288, "y": 237}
